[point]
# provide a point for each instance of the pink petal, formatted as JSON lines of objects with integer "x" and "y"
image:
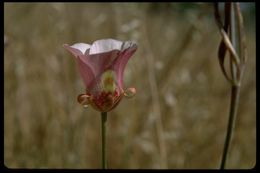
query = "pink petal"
{"x": 99, "y": 63}
{"x": 77, "y": 49}
{"x": 85, "y": 69}
{"x": 87, "y": 74}
{"x": 121, "y": 62}
{"x": 102, "y": 61}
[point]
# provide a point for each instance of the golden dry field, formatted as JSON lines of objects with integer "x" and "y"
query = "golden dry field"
{"x": 177, "y": 119}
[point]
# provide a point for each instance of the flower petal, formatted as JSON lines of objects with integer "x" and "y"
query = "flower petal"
{"x": 87, "y": 74}
{"x": 81, "y": 46}
{"x": 121, "y": 61}
{"x": 103, "y": 61}
{"x": 105, "y": 45}
{"x": 77, "y": 49}
{"x": 98, "y": 64}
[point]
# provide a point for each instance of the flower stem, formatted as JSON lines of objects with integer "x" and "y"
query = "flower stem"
{"x": 103, "y": 126}
{"x": 231, "y": 122}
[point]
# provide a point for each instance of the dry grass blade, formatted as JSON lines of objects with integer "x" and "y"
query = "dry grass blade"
{"x": 230, "y": 46}
{"x": 222, "y": 47}
{"x": 241, "y": 34}
{"x": 221, "y": 57}
{"x": 217, "y": 15}
{"x": 231, "y": 39}
{"x": 227, "y": 16}
{"x": 225, "y": 43}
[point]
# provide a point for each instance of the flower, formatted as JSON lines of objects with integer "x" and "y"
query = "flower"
{"x": 101, "y": 66}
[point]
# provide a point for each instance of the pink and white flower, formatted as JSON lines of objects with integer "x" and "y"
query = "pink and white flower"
{"x": 101, "y": 66}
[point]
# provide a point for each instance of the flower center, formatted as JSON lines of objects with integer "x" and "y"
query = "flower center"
{"x": 109, "y": 94}
{"x": 108, "y": 81}
{"x": 106, "y": 100}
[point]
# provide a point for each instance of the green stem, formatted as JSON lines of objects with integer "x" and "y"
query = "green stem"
{"x": 231, "y": 122}
{"x": 103, "y": 124}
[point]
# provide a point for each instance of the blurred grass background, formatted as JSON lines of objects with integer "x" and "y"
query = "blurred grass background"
{"x": 178, "y": 118}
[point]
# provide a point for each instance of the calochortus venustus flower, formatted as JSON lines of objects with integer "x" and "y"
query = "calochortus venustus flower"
{"x": 101, "y": 66}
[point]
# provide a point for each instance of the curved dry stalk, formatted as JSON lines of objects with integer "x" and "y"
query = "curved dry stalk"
{"x": 234, "y": 31}
{"x": 230, "y": 47}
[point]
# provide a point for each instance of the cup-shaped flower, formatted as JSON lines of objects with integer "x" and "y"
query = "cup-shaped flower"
{"x": 102, "y": 66}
